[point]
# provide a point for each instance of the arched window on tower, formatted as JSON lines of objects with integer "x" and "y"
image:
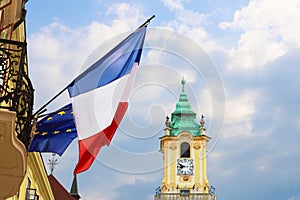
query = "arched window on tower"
{"x": 185, "y": 150}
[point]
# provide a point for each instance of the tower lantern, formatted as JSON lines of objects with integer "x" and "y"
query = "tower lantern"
{"x": 184, "y": 152}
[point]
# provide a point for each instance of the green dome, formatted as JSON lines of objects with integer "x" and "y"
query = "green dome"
{"x": 183, "y": 118}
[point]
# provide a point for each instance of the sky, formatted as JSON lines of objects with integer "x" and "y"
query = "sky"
{"x": 239, "y": 59}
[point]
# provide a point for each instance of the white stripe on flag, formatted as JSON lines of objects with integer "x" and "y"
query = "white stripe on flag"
{"x": 94, "y": 110}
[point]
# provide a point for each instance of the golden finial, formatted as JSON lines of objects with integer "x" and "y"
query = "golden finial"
{"x": 182, "y": 83}
{"x": 202, "y": 122}
{"x": 167, "y": 122}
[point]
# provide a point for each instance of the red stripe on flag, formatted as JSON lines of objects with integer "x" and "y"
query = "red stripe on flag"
{"x": 89, "y": 147}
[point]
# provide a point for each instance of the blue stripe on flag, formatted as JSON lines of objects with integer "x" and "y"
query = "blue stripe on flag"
{"x": 115, "y": 64}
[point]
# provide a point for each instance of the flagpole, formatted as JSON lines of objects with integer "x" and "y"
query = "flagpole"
{"x": 43, "y": 115}
{"x": 146, "y": 22}
{"x": 46, "y": 104}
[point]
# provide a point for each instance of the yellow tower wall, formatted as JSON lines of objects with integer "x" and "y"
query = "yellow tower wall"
{"x": 170, "y": 147}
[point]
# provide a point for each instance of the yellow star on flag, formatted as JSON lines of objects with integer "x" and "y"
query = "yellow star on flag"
{"x": 61, "y": 113}
{"x": 44, "y": 133}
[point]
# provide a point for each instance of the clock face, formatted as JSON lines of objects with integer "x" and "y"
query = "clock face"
{"x": 185, "y": 166}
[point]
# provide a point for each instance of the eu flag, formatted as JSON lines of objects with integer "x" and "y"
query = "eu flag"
{"x": 55, "y": 132}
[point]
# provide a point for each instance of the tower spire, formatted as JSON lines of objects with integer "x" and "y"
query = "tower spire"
{"x": 74, "y": 188}
{"x": 183, "y": 118}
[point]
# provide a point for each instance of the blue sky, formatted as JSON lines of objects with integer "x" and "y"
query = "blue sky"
{"x": 247, "y": 88}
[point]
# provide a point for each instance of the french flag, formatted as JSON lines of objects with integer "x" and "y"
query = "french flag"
{"x": 100, "y": 96}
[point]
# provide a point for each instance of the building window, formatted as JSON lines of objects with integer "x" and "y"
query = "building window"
{"x": 185, "y": 150}
{"x": 31, "y": 194}
{"x": 28, "y": 183}
{"x": 184, "y": 192}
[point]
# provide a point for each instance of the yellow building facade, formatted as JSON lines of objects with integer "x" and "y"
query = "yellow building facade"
{"x": 184, "y": 152}
{"x": 22, "y": 174}
{"x": 35, "y": 185}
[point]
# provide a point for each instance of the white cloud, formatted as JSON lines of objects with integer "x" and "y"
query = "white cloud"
{"x": 294, "y": 198}
{"x": 173, "y": 4}
{"x": 194, "y": 32}
{"x": 95, "y": 194}
{"x": 51, "y": 60}
{"x": 239, "y": 114}
{"x": 191, "y": 18}
{"x": 254, "y": 50}
{"x": 191, "y": 24}
{"x": 268, "y": 29}
{"x": 128, "y": 15}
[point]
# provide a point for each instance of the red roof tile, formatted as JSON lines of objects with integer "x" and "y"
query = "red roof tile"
{"x": 59, "y": 192}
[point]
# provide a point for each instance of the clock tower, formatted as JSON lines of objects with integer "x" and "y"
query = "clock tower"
{"x": 184, "y": 152}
